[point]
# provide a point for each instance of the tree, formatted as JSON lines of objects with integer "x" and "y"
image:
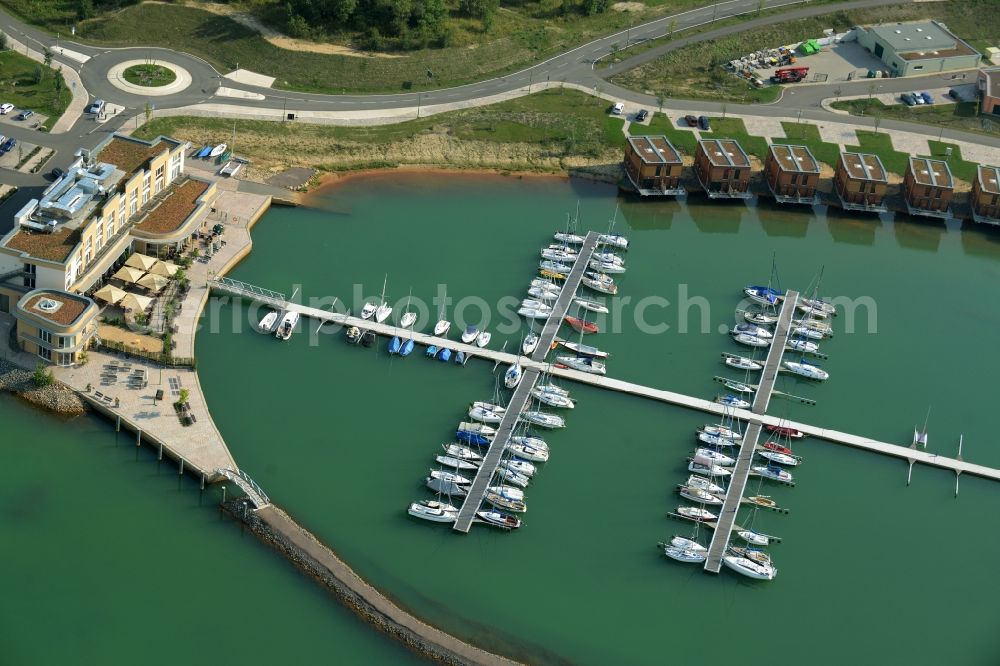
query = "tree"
{"x": 42, "y": 376}
{"x": 39, "y": 74}
{"x": 3, "y": 41}
{"x": 297, "y": 27}
{"x": 660, "y": 99}
{"x": 47, "y": 57}
{"x": 58, "y": 83}
{"x": 85, "y": 9}
{"x": 184, "y": 396}
{"x": 673, "y": 26}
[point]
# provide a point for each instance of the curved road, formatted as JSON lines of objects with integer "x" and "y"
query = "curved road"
{"x": 575, "y": 66}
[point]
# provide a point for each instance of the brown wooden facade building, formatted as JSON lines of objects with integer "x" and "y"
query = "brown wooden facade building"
{"x": 928, "y": 187}
{"x": 723, "y": 169}
{"x": 653, "y": 166}
{"x": 861, "y": 182}
{"x": 792, "y": 174}
{"x": 985, "y": 197}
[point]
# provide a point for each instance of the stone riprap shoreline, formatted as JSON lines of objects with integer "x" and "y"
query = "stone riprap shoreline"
{"x": 56, "y": 397}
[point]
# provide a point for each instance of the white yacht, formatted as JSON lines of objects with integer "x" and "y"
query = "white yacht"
{"x": 700, "y": 496}
{"x": 684, "y": 554}
{"x": 750, "y": 340}
{"x": 558, "y": 254}
{"x": 684, "y": 542}
{"x": 533, "y": 442}
{"x": 499, "y": 519}
{"x": 456, "y": 463}
{"x": 545, "y": 285}
{"x": 754, "y": 330}
{"x": 569, "y": 239}
{"x": 613, "y": 240}
{"x": 552, "y": 399}
{"x": 382, "y": 312}
{"x": 478, "y": 428}
{"x": 760, "y": 318}
{"x": 732, "y": 401}
{"x": 528, "y": 452}
{"x": 266, "y": 324}
{"x": 743, "y": 363}
{"x": 696, "y": 481}
{"x": 485, "y": 415}
{"x": 437, "y": 512}
{"x": 606, "y": 267}
{"x": 470, "y": 334}
{"x": 511, "y": 476}
{"x": 807, "y": 370}
{"x": 535, "y": 303}
{"x": 750, "y": 568}
{"x": 714, "y": 456}
{"x": 588, "y": 364}
{"x": 591, "y": 305}
{"x": 483, "y": 338}
{"x": 534, "y": 313}
{"x": 720, "y": 430}
{"x": 506, "y": 497}
{"x": 778, "y": 457}
{"x": 512, "y": 377}
{"x": 441, "y": 328}
{"x": 707, "y": 468}
{"x": 608, "y": 257}
{"x": 543, "y": 294}
{"x": 806, "y": 332}
{"x": 552, "y": 388}
{"x": 772, "y": 472}
{"x": 716, "y": 440}
{"x": 696, "y": 513}
{"x": 287, "y": 325}
{"x": 755, "y": 538}
{"x": 368, "y": 310}
{"x": 529, "y": 343}
{"x": 461, "y": 452}
{"x": 803, "y": 346}
{"x": 543, "y": 419}
{"x": 818, "y": 305}
{"x": 446, "y": 487}
{"x": 408, "y": 319}
{"x": 519, "y": 466}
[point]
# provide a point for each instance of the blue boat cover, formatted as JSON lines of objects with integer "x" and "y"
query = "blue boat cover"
{"x": 407, "y": 348}
{"x": 394, "y": 345}
{"x": 444, "y": 355}
{"x": 460, "y": 357}
{"x": 205, "y": 151}
{"x": 473, "y": 438}
{"x": 432, "y": 350}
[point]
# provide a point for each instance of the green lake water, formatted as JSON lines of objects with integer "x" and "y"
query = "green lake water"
{"x": 871, "y": 571}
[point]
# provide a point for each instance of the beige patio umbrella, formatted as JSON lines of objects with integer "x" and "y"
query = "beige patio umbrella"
{"x": 135, "y": 302}
{"x": 164, "y": 268}
{"x": 128, "y": 274}
{"x": 153, "y": 282}
{"x": 140, "y": 261}
{"x": 110, "y": 294}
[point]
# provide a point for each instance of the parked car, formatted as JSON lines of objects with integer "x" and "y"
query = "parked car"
{"x": 691, "y": 121}
{"x": 8, "y": 145}
{"x": 916, "y": 96}
{"x": 618, "y": 109}
{"x": 642, "y": 115}
{"x": 24, "y": 115}
{"x": 703, "y": 123}
{"x": 954, "y": 94}
{"x": 6, "y": 108}
{"x": 96, "y": 107}
{"x": 908, "y": 99}
{"x": 57, "y": 173}
{"x": 927, "y": 97}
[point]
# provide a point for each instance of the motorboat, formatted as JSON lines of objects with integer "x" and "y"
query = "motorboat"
{"x": 499, "y": 519}
{"x": 483, "y": 338}
{"x": 701, "y": 482}
{"x": 266, "y": 324}
{"x": 461, "y": 452}
{"x": 472, "y": 438}
{"x": 738, "y": 387}
{"x": 780, "y": 458}
{"x": 743, "y": 363}
{"x": 569, "y": 239}
{"x": 408, "y": 319}
{"x": 714, "y": 456}
{"x": 772, "y": 472}
{"x": 613, "y": 240}
{"x": 818, "y": 305}
{"x": 555, "y": 267}
{"x": 684, "y": 554}
{"x": 707, "y": 468}
{"x": 533, "y": 442}
{"x": 444, "y": 355}
{"x": 445, "y": 487}
{"x": 806, "y": 332}
{"x": 511, "y": 476}
{"x": 603, "y": 287}
{"x": 722, "y": 431}
{"x": 441, "y": 328}
{"x": 432, "y": 351}
{"x": 528, "y": 452}
{"x": 803, "y": 346}
{"x": 696, "y": 513}
{"x": 218, "y": 150}
{"x": 458, "y": 464}
{"x": 684, "y": 542}
{"x": 506, "y": 497}
{"x": 716, "y": 440}
{"x": 763, "y": 295}
{"x": 485, "y": 415}
{"x": 470, "y": 334}
{"x": 552, "y": 399}
{"x": 807, "y": 370}
{"x": 543, "y": 294}
{"x": 583, "y": 364}
{"x": 395, "y": 344}
{"x": 543, "y": 419}
{"x": 699, "y": 495}
{"x": 591, "y": 305}
{"x": 762, "y": 500}
{"x": 287, "y": 325}
{"x": 760, "y": 318}
{"x": 750, "y": 568}
{"x": 771, "y": 446}
{"x": 750, "y": 340}
{"x": 582, "y": 349}
{"x": 534, "y": 313}
{"x": 754, "y": 330}
{"x": 480, "y": 428}
{"x": 530, "y": 343}
{"x": 732, "y": 401}
{"x": 606, "y": 266}
{"x": 754, "y": 538}
{"x": 353, "y": 334}
{"x": 512, "y": 377}
{"x": 407, "y": 348}
{"x": 581, "y": 325}
{"x": 436, "y": 512}
{"x": 368, "y": 310}
{"x": 785, "y": 432}
{"x": 519, "y": 466}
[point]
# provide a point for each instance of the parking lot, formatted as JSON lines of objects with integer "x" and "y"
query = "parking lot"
{"x": 840, "y": 62}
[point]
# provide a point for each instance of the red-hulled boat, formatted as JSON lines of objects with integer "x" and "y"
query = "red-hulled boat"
{"x": 785, "y": 432}
{"x": 582, "y": 325}
{"x": 778, "y": 448}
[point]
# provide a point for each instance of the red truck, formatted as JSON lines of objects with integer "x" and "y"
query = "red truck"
{"x": 789, "y": 75}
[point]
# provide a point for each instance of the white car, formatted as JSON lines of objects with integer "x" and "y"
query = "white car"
{"x": 918, "y": 98}
{"x": 618, "y": 109}
{"x": 6, "y": 108}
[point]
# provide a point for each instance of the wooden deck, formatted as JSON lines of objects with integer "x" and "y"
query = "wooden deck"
{"x": 566, "y": 296}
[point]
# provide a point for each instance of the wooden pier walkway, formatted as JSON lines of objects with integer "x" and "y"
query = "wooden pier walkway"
{"x": 566, "y": 296}
{"x": 741, "y": 470}
{"x": 905, "y": 453}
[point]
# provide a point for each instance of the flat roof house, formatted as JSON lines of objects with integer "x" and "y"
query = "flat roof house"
{"x": 861, "y": 182}
{"x": 653, "y": 166}
{"x": 919, "y": 47}
{"x": 988, "y": 84}
{"x": 792, "y": 174}
{"x": 723, "y": 169}
{"x": 928, "y": 188}
{"x": 985, "y": 197}
{"x": 55, "y": 325}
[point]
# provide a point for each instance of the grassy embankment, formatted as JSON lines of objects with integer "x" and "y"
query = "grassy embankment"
{"x": 20, "y": 85}
{"x": 695, "y": 72}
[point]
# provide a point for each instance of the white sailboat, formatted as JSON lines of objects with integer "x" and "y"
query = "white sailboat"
{"x": 778, "y": 457}
{"x": 807, "y": 370}
{"x": 699, "y": 495}
{"x": 513, "y": 376}
{"x": 483, "y": 338}
{"x": 749, "y": 568}
{"x": 714, "y": 456}
{"x": 803, "y": 346}
{"x": 530, "y": 342}
{"x": 470, "y": 334}
{"x": 437, "y": 512}
{"x": 685, "y": 554}
{"x": 722, "y": 431}
{"x": 543, "y": 419}
{"x": 408, "y": 318}
{"x": 696, "y": 481}
{"x": 528, "y": 440}
{"x": 528, "y": 452}
{"x": 442, "y": 326}
{"x": 591, "y": 305}
{"x": 696, "y": 513}
{"x": 552, "y": 399}
{"x": 750, "y": 340}
{"x": 754, "y": 538}
{"x": 754, "y": 330}
{"x": 383, "y": 311}
{"x": 461, "y": 452}
{"x": 583, "y": 364}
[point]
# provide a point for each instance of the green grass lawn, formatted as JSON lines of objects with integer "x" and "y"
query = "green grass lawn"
{"x": 660, "y": 123}
{"x": 804, "y": 134}
{"x": 733, "y": 128}
{"x": 150, "y": 75}
{"x": 963, "y": 116}
{"x": 17, "y": 86}
{"x": 881, "y": 145}
{"x": 960, "y": 168}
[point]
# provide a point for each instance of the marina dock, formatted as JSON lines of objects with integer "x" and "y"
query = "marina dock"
{"x": 905, "y": 453}
{"x": 741, "y": 470}
{"x": 566, "y": 296}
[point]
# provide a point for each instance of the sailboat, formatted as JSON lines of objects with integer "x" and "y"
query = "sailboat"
{"x": 408, "y": 318}
{"x": 920, "y": 438}
{"x": 696, "y": 481}
{"x": 552, "y": 399}
{"x": 353, "y": 335}
{"x": 696, "y": 513}
{"x": 483, "y": 338}
{"x": 749, "y": 568}
{"x": 506, "y": 497}
{"x": 529, "y": 343}
{"x": 583, "y": 364}
{"x": 499, "y": 519}
{"x": 743, "y": 363}
{"x": 699, "y": 495}
{"x": 512, "y": 377}
{"x": 732, "y": 401}
{"x": 806, "y": 369}
{"x": 591, "y": 305}
{"x": 442, "y": 326}
{"x": 611, "y": 239}
{"x": 760, "y": 318}
{"x": 684, "y": 554}
{"x": 383, "y": 311}
{"x": 437, "y": 512}
{"x": 460, "y": 452}
{"x": 527, "y": 452}
{"x": 581, "y": 349}
{"x": 754, "y": 330}
{"x": 750, "y": 340}
{"x": 755, "y": 538}
{"x": 395, "y": 345}
{"x": 581, "y": 325}
{"x": 543, "y": 419}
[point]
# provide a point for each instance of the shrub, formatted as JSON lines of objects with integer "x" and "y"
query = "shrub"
{"x": 42, "y": 376}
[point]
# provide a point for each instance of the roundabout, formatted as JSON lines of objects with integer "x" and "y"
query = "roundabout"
{"x": 144, "y": 77}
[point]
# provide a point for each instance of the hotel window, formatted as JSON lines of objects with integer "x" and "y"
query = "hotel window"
{"x": 45, "y": 353}
{"x": 121, "y": 211}
{"x": 89, "y": 252}
{"x": 110, "y": 227}
{"x": 65, "y": 359}
{"x": 133, "y": 203}
{"x": 29, "y": 275}
{"x": 937, "y": 192}
{"x": 99, "y": 237}
{"x": 175, "y": 166}
{"x": 159, "y": 178}
{"x": 145, "y": 190}
{"x": 45, "y": 336}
